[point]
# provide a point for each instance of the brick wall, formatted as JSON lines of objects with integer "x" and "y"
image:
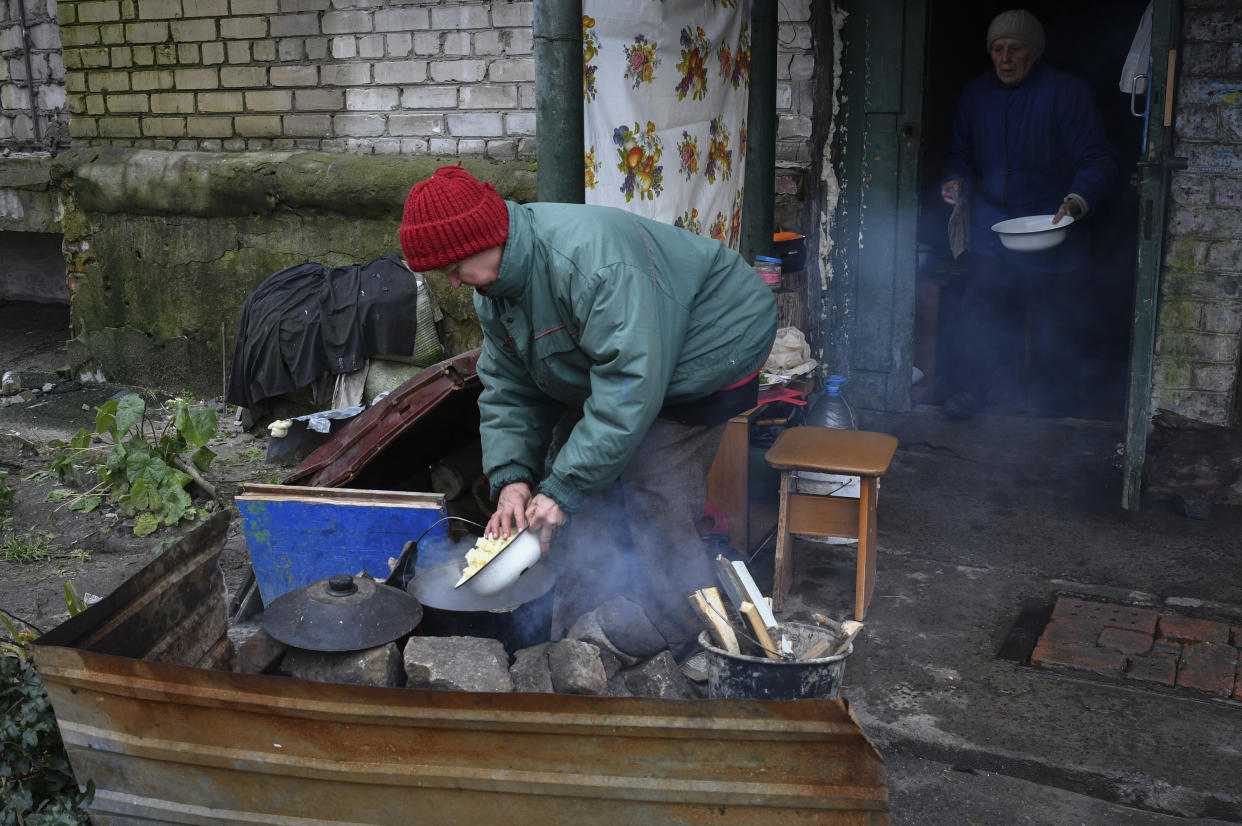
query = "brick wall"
{"x": 795, "y": 72}
{"x": 359, "y": 77}
{"x": 1199, "y": 338}
{"x": 47, "y": 126}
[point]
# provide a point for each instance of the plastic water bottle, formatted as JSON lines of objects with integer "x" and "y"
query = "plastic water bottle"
{"x": 832, "y": 409}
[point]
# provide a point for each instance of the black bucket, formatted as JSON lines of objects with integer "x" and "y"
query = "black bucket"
{"x": 740, "y": 677}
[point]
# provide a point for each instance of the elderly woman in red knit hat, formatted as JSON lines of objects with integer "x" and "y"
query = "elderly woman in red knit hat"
{"x": 633, "y": 341}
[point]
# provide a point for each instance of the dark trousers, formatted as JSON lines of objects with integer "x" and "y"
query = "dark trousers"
{"x": 639, "y": 537}
{"x": 1006, "y": 308}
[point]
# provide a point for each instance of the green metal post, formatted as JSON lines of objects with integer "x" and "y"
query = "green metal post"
{"x": 558, "y": 100}
{"x": 758, "y": 203}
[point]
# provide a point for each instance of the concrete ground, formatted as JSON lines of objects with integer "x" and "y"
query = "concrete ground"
{"x": 982, "y": 525}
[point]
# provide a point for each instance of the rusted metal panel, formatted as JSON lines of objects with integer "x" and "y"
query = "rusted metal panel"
{"x": 177, "y": 744}
{"x": 339, "y": 461}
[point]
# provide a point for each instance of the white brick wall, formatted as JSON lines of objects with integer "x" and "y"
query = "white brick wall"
{"x": 42, "y": 44}
{"x": 383, "y": 76}
{"x": 1199, "y": 337}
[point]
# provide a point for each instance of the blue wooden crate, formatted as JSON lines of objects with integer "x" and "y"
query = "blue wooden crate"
{"x": 299, "y": 535}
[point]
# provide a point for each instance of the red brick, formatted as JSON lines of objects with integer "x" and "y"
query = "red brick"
{"x": 1072, "y": 632}
{"x": 1160, "y": 669}
{"x": 1101, "y": 661}
{"x": 1237, "y": 682}
{"x": 1166, "y": 648}
{"x": 1131, "y": 642}
{"x": 1107, "y": 614}
{"x": 1193, "y": 630}
{"x": 1208, "y": 667}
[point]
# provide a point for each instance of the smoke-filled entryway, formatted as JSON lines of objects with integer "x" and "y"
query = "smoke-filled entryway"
{"x": 1089, "y": 347}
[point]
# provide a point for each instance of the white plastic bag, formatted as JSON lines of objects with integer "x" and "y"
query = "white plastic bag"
{"x": 791, "y": 355}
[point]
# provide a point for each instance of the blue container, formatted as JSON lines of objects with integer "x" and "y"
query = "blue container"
{"x": 299, "y": 535}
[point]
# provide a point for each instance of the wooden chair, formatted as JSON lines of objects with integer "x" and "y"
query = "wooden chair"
{"x": 828, "y": 450}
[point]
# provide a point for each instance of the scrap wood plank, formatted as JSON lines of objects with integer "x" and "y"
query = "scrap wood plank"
{"x": 752, "y": 614}
{"x": 752, "y": 594}
{"x": 710, "y": 608}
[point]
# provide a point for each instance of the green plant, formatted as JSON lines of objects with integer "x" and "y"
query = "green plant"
{"x": 241, "y": 457}
{"x": 37, "y": 787}
{"x": 31, "y": 547}
{"x": 145, "y": 471}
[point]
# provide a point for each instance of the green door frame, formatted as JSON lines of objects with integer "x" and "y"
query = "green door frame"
{"x": 1154, "y": 170}
{"x": 869, "y": 335}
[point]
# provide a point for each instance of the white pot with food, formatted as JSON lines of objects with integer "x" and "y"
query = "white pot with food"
{"x": 495, "y": 563}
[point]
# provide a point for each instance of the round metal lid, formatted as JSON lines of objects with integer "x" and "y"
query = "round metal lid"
{"x": 342, "y": 613}
{"x": 434, "y": 589}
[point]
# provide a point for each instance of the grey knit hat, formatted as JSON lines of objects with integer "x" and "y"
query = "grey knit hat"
{"x": 1019, "y": 24}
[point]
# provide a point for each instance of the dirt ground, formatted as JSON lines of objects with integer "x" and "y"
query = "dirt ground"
{"x": 94, "y": 551}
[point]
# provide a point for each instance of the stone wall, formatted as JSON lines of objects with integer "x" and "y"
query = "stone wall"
{"x": 29, "y": 35}
{"x": 1199, "y": 339}
{"x": 164, "y": 247}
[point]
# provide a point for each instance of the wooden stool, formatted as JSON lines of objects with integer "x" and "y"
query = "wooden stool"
{"x": 828, "y": 450}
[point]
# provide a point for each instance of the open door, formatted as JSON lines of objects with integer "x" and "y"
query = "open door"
{"x": 872, "y": 289}
{"x": 1154, "y": 168}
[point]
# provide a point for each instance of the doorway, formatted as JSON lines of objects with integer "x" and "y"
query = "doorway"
{"x": 1089, "y": 41}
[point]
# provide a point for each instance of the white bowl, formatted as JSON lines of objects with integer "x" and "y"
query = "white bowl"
{"x": 504, "y": 568}
{"x": 1034, "y": 232}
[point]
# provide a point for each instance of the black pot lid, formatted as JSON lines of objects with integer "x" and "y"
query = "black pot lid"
{"x": 342, "y": 613}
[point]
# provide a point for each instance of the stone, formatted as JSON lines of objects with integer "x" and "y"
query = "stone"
{"x": 1191, "y": 629}
{"x": 1192, "y": 506}
{"x": 256, "y": 651}
{"x": 1208, "y": 667}
{"x": 627, "y": 625}
{"x": 379, "y": 666}
{"x": 614, "y": 672}
{"x": 457, "y": 664}
{"x": 588, "y": 629}
{"x": 576, "y": 668}
{"x": 530, "y": 670}
{"x": 15, "y": 380}
{"x": 660, "y": 677}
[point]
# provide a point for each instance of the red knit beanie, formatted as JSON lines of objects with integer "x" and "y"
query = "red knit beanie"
{"x": 451, "y": 216}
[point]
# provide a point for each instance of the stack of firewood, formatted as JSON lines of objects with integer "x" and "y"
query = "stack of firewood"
{"x": 741, "y": 621}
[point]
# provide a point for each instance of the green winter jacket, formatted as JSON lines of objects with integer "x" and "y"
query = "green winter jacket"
{"x": 618, "y": 314}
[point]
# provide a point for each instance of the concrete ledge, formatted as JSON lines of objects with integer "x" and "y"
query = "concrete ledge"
{"x": 28, "y": 200}
{"x": 232, "y": 184}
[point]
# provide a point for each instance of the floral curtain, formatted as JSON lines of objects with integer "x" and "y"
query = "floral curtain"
{"x": 665, "y": 86}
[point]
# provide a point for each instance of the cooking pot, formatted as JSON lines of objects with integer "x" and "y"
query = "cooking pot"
{"x": 503, "y": 569}
{"x": 342, "y": 613}
{"x": 519, "y": 615}
{"x": 790, "y": 247}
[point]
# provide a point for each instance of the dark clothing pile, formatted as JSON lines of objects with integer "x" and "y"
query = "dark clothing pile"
{"x": 308, "y": 321}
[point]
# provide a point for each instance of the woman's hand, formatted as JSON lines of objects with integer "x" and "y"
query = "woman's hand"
{"x": 544, "y": 516}
{"x": 951, "y": 190}
{"x": 1070, "y": 207}
{"x": 510, "y": 515}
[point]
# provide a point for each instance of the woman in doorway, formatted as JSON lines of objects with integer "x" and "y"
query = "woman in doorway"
{"x": 1028, "y": 139}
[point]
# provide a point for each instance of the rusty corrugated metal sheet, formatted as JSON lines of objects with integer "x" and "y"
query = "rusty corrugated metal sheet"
{"x": 338, "y": 461}
{"x": 178, "y": 744}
